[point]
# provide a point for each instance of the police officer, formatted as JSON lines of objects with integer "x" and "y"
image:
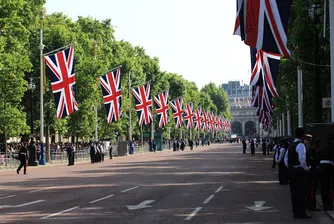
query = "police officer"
{"x": 23, "y": 157}
{"x": 298, "y": 171}
{"x": 280, "y": 161}
{"x": 326, "y": 168}
{"x": 312, "y": 162}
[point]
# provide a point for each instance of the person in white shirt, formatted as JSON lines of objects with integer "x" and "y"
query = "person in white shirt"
{"x": 298, "y": 171}
{"x": 280, "y": 161}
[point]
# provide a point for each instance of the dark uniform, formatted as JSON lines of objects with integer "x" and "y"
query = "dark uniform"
{"x": 264, "y": 147}
{"x": 244, "y": 146}
{"x": 326, "y": 169}
{"x": 312, "y": 161}
{"x": 252, "y": 146}
{"x": 282, "y": 177}
{"x": 23, "y": 157}
{"x": 298, "y": 178}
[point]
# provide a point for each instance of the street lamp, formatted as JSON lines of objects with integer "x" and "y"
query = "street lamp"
{"x": 32, "y": 86}
{"x": 32, "y": 150}
{"x": 314, "y": 12}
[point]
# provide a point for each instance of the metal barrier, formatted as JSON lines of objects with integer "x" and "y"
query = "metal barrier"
{"x": 7, "y": 162}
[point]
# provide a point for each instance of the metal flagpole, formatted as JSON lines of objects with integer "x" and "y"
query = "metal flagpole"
{"x": 41, "y": 47}
{"x": 289, "y": 123}
{"x": 95, "y": 108}
{"x": 283, "y": 124}
{"x": 331, "y": 23}
{"x": 130, "y": 109}
{"x": 300, "y": 98}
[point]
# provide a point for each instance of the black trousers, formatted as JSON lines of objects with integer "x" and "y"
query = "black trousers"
{"x": 110, "y": 153}
{"x": 244, "y": 149}
{"x": 311, "y": 191}
{"x": 326, "y": 185}
{"x": 274, "y": 162}
{"x": 298, "y": 186}
{"x": 23, "y": 163}
{"x": 282, "y": 178}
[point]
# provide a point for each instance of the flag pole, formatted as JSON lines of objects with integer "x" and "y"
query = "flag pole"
{"x": 331, "y": 24}
{"x": 95, "y": 108}
{"x": 300, "y": 98}
{"x": 41, "y": 47}
{"x": 130, "y": 115}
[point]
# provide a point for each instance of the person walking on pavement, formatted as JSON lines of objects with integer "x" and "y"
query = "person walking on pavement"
{"x": 23, "y": 157}
{"x": 276, "y": 148}
{"x": 110, "y": 150}
{"x": 298, "y": 171}
{"x": 92, "y": 152}
{"x": 326, "y": 169}
{"x": 244, "y": 146}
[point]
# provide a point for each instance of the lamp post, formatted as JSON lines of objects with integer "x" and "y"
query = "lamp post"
{"x": 95, "y": 108}
{"x": 314, "y": 12}
{"x": 32, "y": 86}
{"x": 41, "y": 47}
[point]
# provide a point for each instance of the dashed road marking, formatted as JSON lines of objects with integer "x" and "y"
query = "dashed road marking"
{"x": 208, "y": 199}
{"x": 129, "y": 189}
{"x": 193, "y": 213}
{"x": 59, "y": 213}
{"x": 43, "y": 189}
{"x": 219, "y": 189}
{"x": 97, "y": 200}
{"x": 9, "y": 196}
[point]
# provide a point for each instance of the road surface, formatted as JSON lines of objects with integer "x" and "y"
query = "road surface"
{"x": 215, "y": 184}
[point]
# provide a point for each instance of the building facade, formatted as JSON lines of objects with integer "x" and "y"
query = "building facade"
{"x": 245, "y": 121}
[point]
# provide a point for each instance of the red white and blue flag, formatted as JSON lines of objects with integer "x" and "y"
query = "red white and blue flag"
{"x": 205, "y": 119}
{"x": 161, "y": 106}
{"x": 198, "y": 119}
{"x": 262, "y": 24}
{"x": 262, "y": 99}
{"x": 211, "y": 122}
{"x": 177, "y": 112}
{"x": 265, "y": 68}
{"x": 220, "y": 123}
{"x": 60, "y": 68}
{"x": 189, "y": 116}
{"x": 112, "y": 94}
{"x": 143, "y": 101}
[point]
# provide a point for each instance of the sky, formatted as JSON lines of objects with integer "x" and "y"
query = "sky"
{"x": 193, "y": 38}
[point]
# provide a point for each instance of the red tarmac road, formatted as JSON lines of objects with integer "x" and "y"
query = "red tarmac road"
{"x": 216, "y": 184}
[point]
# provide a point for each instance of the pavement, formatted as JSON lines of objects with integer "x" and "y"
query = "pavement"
{"x": 215, "y": 184}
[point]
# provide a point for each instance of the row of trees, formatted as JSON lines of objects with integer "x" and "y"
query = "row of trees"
{"x": 19, "y": 59}
{"x": 307, "y": 44}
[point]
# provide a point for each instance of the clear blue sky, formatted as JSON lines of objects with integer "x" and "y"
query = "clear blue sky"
{"x": 193, "y": 38}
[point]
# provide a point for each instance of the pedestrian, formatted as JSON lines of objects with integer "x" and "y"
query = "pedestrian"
{"x": 244, "y": 146}
{"x": 154, "y": 145}
{"x": 191, "y": 144}
{"x": 252, "y": 146}
{"x": 182, "y": 145}
{"x": 298, "y": 172}
{"x": 23, "y": 157}
{"x": 275, "y": 157}
{"x": 326, "y": 169}
{"x": 69, "y": 154}
{"x": 92, "y": 152}
{"x": 264, "y": 147}
{"x": 110, "y": 150}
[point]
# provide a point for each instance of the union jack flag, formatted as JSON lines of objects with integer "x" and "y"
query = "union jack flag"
{"x": 262, "y": 99}
{"x": 189, "y": 116}
{"x": 177, "y": 112}
{"x": 262, "y": 24}
{"x": 143, "y": 101}
{"x": 60, "y": 68}
{"x": 161, "y": 105}
{"x": 205, "y": 120}
{"x": 265, "y": 70}
{"x": 112, "y": 94}
{"x": 220, "y": 123}
{"x": 198, "y": 119}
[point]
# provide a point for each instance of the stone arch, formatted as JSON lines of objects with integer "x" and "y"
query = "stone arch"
{"x": 250, "y": 128}
{"x": 236, "y": 127}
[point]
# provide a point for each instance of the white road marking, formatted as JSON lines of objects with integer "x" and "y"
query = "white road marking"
{"x": 109, "y": 196}
{"x": 59, "y": 213}
{"x": 219, "y": 189}
{"x": 43, "y": 189}
{"x": 9, "y": 196}
{"x": 21, "y": 205}
{"x": 208, "y": 199}
{"x": 193, "y": 213}
{"x": 142, "y": 205}
{"x": 129, "y": 189}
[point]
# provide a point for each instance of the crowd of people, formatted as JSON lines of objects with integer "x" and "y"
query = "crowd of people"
{"x": 302, "y": 165}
